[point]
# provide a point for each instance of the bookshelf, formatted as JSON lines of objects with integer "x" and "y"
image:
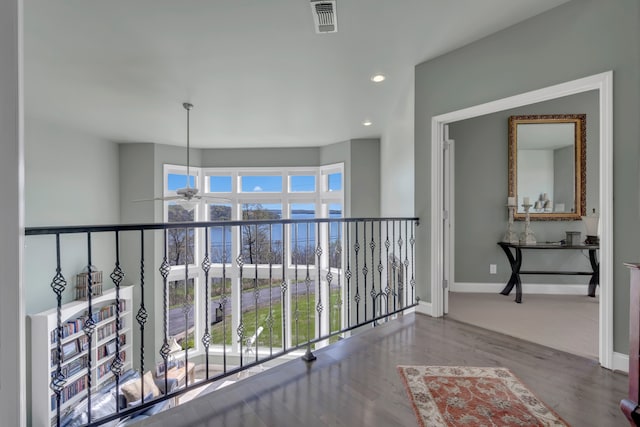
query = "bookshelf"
{"x": 75, "y": 351}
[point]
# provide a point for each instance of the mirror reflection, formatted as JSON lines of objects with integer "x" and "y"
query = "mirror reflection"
{"x": 547, "y": 165}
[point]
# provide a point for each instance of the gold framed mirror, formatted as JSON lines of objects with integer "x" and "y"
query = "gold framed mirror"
{"x": 547, "y": 166}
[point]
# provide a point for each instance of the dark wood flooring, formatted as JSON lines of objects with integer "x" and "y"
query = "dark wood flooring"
{"x": 355, "y": 382}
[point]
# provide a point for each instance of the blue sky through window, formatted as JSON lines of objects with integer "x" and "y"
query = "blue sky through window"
{"x": 335, "y": 182}
{"x": 220, "y": 184}
{"x": 176, "y": 181}
{"x": 256, "y": 184}
{"x": 303, "y": 183}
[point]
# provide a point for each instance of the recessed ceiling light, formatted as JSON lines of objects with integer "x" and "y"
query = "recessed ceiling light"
{"x": 377, "y": 78}
{"x": 367, "y": 123}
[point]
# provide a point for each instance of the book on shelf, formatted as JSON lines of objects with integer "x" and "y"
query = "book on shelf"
{"x": 74, "y": 326}
{"x": 105, "y": 368}
{"x": 72, "y": 367}
{"x": 70, "y": 391}
{"x": 109, "y": 348}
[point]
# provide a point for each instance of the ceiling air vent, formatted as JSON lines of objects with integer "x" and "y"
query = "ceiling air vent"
{"x": 324, "y": 16}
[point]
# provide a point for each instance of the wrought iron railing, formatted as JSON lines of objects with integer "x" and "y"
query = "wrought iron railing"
{"x": 253, "y": 291}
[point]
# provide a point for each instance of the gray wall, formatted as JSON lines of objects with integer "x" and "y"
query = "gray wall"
{"x": 577, "y": 39}
{"x": 396, "y": 159}
{"x": 12, "y": 338}
{"x": 69, "y": 180}
{"x": 481, "y": 188}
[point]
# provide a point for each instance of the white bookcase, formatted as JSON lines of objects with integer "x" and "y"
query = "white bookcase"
{"x": 75, "y": 351}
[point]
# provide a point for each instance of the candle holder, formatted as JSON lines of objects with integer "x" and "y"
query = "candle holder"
{"x": 510, "y": 236}
{"x": 527, "y": 236}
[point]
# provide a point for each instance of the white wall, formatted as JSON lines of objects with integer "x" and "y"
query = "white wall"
{"x": 12, "y": 351}
{"x": 396, "y": 159}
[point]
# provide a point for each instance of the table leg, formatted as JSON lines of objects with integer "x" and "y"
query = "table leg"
{"x": 514, "y": 280}
{"x": 595, "y": 277}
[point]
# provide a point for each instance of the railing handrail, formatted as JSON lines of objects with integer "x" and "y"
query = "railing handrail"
{"x": 363, "y": 273}
{"x": 70, "y": 229}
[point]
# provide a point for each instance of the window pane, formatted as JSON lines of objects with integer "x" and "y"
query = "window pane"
{"x": 303, "y": 236}
{"x": 181, "y": 326}
{"x": 303, "y": 307}
{"x": 300, "y": 183}
{"x": 177, "y": 181}
{"x": 335, "y": 182}
{"x": 257, "y": 184}
{"x": 335, "y": 236}
{"x": 220, "y": 184}
{"x": 220, "y": 311}
{"x": 177, "y": 245}
{"x": 220, "y": 237}
{"x": 261, "y": 243}
{"x": 262, "y": 312}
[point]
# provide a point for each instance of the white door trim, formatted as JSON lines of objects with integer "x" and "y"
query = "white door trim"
{"x": 603, "y": 83}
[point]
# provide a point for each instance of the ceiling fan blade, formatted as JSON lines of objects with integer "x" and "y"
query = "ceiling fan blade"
{"x": 214, "y": 199}
{"x": 159, "y": 199}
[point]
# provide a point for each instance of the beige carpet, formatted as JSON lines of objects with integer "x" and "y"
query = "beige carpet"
{"x": 565, "y": 322}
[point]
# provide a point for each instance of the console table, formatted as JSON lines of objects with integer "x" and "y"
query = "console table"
{"x": 516, "y": 263}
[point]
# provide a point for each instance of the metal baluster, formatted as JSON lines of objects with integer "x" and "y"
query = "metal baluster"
{"x": 283, "y": 288}
{"x": 223, "y": 298}
{"x": 308, "y": 356}
{"x": 339, "y": 259}
{"x": 319, "y": 306}
{"x": 256, "y": 292}
{"x": 365, "y": 270}
{"x": 356, "y": 247}
{"x": 89, "y": 325}
{"x": 372, "y": 292}
{"x": 240, "y": 330}
{"x": 186, "y": 306}
{"x": 270, "y": 317}
{"x": 206, "y": 266}
{"x": 329, "y": 275}
{"x": 117, "y": 364}
{"x": 397, "y": 284}
{"x": 347, "y": 273}
{"x": 413, "y": 265}
{"x": 401, "y": 276}
{"x": 164, "y": 271}
{"x": 406, "y": 265}
{"x": 381, "y": 294}
{"x": 296, "y": 312}
{"x": 58, "y": 285}
{"x": 387, "y": 244}
{"x": 142, "y": 315}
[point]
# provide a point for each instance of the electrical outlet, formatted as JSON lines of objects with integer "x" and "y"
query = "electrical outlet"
{"x": 493, "y": 268}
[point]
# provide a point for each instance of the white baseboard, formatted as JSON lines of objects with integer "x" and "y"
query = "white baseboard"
{"x": 424, "y": 308}
{"x": 620, "y": 362}
{"x": 527, "y": 288}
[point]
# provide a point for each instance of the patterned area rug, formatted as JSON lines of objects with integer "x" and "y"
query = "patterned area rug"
{"x": 467, "y": 396}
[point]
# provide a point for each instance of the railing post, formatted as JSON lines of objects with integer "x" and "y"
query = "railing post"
{"x": 308, "y": 356}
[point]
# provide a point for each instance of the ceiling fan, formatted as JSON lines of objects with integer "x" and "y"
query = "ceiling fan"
{"x": 188, "y": 196}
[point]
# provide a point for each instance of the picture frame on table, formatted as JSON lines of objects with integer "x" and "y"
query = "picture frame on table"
{"x": 160, "y": 369}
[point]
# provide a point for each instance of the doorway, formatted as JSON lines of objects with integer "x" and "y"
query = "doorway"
{"x": 441, "y": 243}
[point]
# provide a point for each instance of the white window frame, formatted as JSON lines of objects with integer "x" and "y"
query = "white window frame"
{"x": 322, "y": 198}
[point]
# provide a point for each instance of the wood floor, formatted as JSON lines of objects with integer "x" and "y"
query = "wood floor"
{"x": 355, "y": 382}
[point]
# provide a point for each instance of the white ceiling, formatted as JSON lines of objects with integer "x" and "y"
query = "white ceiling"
{"x": 255, "y": 70}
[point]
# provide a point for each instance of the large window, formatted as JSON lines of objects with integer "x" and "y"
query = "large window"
{"x": 250, "y": 262}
